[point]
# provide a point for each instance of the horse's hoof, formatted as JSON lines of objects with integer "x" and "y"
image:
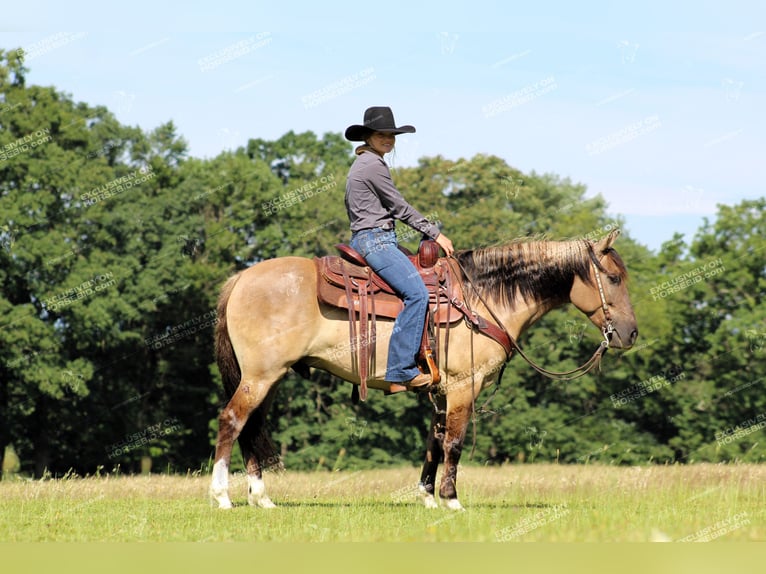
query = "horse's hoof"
{"x": 222, "y": 499}
{"x": 428, "y": 499}
{"x": 223, "y": 504}
{"x": 256, "y": 493}
{"x": 453, "y": 504}
{"x": 262, "y": 502}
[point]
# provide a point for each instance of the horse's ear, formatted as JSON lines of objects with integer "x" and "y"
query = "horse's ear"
{"x": 607, "y": 241}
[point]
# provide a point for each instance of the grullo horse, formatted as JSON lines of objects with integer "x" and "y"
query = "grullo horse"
{"x": 269, "y": 320}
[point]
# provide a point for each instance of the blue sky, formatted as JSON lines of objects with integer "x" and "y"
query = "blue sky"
{"x": 657, "y": 106}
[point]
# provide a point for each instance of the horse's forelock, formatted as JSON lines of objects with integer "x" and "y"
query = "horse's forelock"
{"x": 617, "y": 260}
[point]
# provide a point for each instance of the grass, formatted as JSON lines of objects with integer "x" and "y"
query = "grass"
{"x": 550, "y": 503}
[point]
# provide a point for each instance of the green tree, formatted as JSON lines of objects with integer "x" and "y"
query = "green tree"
{"x": 44, "y": 139}
{"x": 719, "y": 301}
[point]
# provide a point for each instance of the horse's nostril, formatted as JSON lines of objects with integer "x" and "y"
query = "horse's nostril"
{"x": 633, "y": 336}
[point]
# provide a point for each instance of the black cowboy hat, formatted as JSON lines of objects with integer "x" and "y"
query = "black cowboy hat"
{"x": 376, "y": 119}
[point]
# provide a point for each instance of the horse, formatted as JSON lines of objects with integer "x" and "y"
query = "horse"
{"x": 270, "y": 320}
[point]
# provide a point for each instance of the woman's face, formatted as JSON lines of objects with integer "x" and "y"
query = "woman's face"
{"x": 382, "y": 142}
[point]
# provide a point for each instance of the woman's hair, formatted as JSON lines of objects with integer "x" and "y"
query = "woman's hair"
{"x": 362, "y": 148}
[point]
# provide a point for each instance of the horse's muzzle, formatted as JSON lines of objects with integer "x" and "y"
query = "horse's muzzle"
{"x": 618, "y": 341}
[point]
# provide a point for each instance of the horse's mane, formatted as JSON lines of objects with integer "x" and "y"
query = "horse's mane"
{"x": 536, "y": 271}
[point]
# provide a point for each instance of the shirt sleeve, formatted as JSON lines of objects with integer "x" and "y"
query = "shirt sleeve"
{"x": 393, "y": 201}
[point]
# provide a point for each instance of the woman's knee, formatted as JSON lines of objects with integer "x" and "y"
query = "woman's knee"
{"x": 417, "y": 293}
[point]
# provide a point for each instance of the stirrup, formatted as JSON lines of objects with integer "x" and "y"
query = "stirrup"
{"x": 394, "y": 388}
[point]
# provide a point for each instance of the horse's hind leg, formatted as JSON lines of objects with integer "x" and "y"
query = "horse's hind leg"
{"x": 246, "y": 399}
{"x": 259, "y": 453}
{"x": 434, "y": 454}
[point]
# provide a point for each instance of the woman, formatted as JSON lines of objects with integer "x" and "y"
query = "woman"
{"x": 373, "y": 204}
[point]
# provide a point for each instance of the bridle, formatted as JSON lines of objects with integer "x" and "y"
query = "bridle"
{"x": 608, "y": 329}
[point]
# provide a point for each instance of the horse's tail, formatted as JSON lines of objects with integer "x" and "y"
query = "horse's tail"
{"x": 224, "y": 352}
{"x": 255, "y": 436}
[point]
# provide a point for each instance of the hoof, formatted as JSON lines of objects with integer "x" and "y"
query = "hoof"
{"x": 222, "y": 500}
{"x": 453, "y": 504}
{"x": 262, "y": 502}
{"x": 256, "y": 493}
{"x": 428, "y": 499}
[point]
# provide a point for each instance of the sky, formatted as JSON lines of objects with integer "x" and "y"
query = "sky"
{"x": 658, "y": 106}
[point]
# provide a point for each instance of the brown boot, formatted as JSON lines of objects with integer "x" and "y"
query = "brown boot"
{"x": 419, "y": 383}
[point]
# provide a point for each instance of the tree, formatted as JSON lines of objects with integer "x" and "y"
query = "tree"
{"x": 43, "y": 141}
{"x": 721, "y": 311}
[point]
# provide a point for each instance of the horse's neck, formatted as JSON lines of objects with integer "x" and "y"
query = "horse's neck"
{"x": 517, "y": 313}
{"x": 523, "y": 314}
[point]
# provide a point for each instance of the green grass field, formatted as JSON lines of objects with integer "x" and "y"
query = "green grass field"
{"x": 503, "y": 504}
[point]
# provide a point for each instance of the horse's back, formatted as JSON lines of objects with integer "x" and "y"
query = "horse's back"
{"x": 274, "y": 302}
{"x": 278, "y": 278}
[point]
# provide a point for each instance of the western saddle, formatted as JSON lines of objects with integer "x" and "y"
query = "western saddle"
{"x": 347, "y": 282}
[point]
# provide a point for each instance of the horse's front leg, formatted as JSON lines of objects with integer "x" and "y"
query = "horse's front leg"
{"x": 434, "y": 453}
{"x": 458, "y": 414}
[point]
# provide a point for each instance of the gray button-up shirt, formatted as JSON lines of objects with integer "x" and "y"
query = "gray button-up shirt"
{"x": 372, "y": 199}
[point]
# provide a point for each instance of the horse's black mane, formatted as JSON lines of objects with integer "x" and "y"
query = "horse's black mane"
{"x": 535, "y": 270}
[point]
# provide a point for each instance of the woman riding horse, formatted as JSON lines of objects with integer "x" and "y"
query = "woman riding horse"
{"x": 373, "y": 203}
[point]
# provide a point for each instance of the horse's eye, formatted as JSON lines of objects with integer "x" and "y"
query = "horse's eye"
{"x": 614, "y": 279}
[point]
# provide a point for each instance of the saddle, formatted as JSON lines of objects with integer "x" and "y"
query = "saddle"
{"x": 347, "y": 282}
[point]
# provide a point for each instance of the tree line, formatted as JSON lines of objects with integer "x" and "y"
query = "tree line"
{"x": 114, "y": 244}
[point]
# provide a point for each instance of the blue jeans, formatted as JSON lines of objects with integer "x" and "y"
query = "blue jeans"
{"x": 379, "y": 248}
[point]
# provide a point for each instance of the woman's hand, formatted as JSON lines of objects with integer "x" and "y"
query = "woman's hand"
{"x": 445, "y": 243}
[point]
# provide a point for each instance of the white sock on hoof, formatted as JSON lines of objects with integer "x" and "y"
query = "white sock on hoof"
{"x": 219, "y": 486}
{"x": 256, "y": 493}
{"x": 428, "y": 499}
{"x": 454, "y": 504}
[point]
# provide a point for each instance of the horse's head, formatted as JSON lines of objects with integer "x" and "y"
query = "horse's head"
{"x": 603, "y": 296}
